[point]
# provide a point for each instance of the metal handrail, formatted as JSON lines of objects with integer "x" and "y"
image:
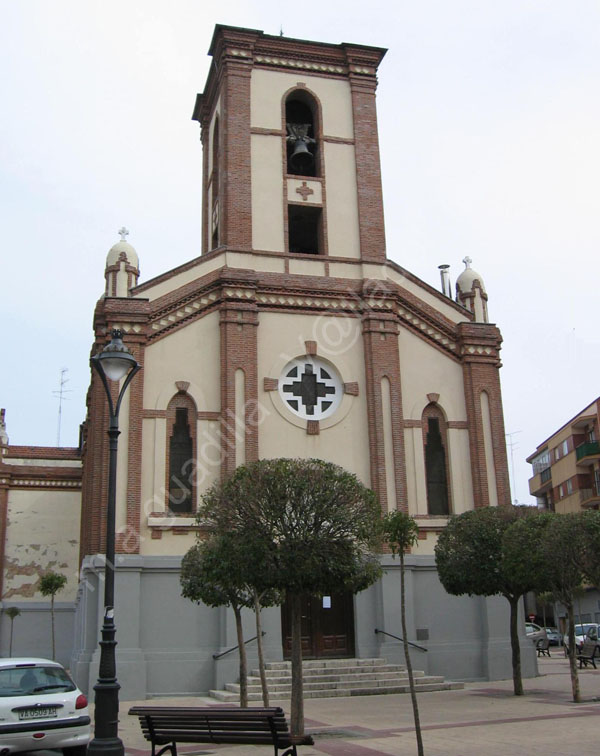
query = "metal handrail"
{"x": 235, "y": 648}
{"x": 410, "y": 643}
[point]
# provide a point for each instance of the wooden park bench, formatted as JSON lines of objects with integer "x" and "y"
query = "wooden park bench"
{"x": 586, "y": 653}
{"x": 168, "y": 725}
{"x": 543, "y": 647}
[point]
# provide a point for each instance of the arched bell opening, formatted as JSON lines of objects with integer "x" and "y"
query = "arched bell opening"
{"x": 302, "y": 142}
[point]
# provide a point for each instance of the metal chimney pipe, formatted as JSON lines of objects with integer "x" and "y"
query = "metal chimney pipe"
{"x": 445, "y": 276}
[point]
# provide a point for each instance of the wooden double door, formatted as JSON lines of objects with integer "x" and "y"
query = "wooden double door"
{"x": 327, "y": 626}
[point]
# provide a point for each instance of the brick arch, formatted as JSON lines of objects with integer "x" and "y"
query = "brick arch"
{"x": 180, "y": 488}
{"x": 317, "y": 112}
{"x": 434, "y": 425}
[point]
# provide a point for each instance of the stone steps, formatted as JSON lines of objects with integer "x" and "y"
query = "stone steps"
{"x": 329, "y": 678}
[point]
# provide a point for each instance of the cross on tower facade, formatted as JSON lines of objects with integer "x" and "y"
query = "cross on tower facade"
{"x": 304, "y": 191}
{"x": 123, "y": 233}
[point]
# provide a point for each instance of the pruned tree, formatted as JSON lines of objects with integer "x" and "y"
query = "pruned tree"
{"x": 589, "y": 555}
{"x": 208, "y": 575}
{"x": 213, "y": 572}
{"x": 545, "y": 599}
{"x": 12, "y": 612}
{"x": 474, "y": 556}
{"x": 50, "y": 584}
{"x": 401, "y": 532}
{"x": 563, "y": 550}
{"x": 312, "y": 528}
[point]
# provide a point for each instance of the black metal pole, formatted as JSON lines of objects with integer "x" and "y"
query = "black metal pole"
{"x": 106, "y": 741}
{"x": 106, "y": 710}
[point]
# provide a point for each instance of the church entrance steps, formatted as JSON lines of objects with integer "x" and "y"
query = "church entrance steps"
{"x": 327, "y": 678}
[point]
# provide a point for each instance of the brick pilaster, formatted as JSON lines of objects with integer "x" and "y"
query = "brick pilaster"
{"x": 479, "y": 349}
{"x": 4, "y": 485}
{"x": 235, "y": 192}
{"x": 131, "y": 315}
{"x": 238, "y": 324}
{"x": 382, "y": 360}
{"x": 366, "y": 147}
{"x": 129, "y": 541}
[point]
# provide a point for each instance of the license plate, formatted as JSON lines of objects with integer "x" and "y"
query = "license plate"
{"x": 40, "y": 712}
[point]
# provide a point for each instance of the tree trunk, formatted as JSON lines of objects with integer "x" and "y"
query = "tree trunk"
{"x": 514, "y": 644}
{"x": 12, "y": 622}
{"x": 261, "y": 656}
{"x": 572, "y": 659}
{"x": 52, "y": 625}
{"x": 411, "y": 681}
{"x": 243, "y": 661}
{"x": 297, "y": 702}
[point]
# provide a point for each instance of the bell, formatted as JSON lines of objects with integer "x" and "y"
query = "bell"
{"x": 301, "y": 159}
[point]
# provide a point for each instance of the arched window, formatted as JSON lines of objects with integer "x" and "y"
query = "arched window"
{"x": 215, "y": 186}
{"x": 303, "y": 158}
{"x": 302, "y": 134}
{"x": 181, "y": 443}
{"x": 436, "y": 460}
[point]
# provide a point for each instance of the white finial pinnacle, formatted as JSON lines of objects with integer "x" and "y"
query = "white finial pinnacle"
{"x": 123, "y": 233}
{"x": 467, "y": 261}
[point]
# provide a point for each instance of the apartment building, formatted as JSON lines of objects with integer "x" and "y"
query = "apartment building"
{"x": 566, "y": 466}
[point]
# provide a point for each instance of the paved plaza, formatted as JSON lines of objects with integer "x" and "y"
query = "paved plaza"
{"x": 484, "y": 719}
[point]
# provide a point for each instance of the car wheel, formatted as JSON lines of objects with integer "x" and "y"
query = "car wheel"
{"x": 79, "y": 750}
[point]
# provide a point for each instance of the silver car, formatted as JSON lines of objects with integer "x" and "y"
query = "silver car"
{"x": 41, "y": 708}
{"x": 535, "y": 632}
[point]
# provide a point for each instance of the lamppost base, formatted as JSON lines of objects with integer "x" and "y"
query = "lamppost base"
{"x": 105, "y": 747}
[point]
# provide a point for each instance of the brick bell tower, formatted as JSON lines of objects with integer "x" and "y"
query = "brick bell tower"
{"x": 291, "y": 156}
{"x": 292, "y": 200}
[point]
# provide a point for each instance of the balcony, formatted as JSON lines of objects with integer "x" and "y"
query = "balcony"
{"x": 541, "y": 483}
{"x": 588, "y": 452}
{"x": 589, "y": 498}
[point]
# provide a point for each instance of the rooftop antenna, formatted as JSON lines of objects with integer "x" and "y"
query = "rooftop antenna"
{"x": 513, "y": 445}
{"x": 60, "y": 394}
{"x": 281, "y": 30}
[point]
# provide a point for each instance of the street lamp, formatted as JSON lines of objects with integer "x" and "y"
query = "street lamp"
{"x": 113, "y": 363}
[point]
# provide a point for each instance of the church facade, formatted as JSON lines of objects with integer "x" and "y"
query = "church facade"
{"x": 292, "y": 335}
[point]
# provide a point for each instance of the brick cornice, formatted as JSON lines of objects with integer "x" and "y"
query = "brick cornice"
{"x": 40, "y": 476}
{"x": 42, "y": 452}
{"x": 368, "y": 299}
{"x": 479, "y": 342}
{"x": 240, "y": 48}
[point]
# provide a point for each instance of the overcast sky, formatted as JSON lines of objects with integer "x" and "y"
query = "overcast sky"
{"x": 489, "y": 131}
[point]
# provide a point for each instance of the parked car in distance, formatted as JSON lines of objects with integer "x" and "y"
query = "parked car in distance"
{"x": 41, "y": 708}
{"x": 554, "y": 636}
{"x": 587, "y": 631}
{"x": 535, "y": 632}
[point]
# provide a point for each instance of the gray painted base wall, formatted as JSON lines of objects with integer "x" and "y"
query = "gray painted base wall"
{"x": 166, "y": 643}
{"x": 32, "y": 630}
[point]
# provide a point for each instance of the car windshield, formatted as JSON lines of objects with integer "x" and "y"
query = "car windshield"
{"x": 32, "y": 680}
{"x": 582, "y": 629}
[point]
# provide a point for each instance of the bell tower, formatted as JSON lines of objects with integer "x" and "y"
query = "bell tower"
{"x": 291, "y": 154}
